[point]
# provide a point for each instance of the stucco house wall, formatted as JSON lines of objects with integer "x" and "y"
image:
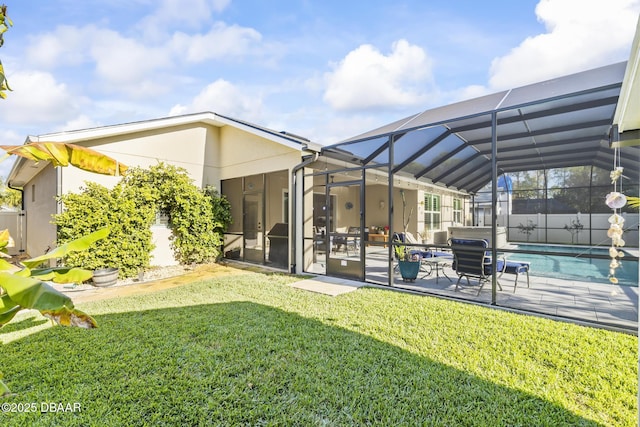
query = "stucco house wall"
{"x": 209, "y": 147}
{"x": 183, "y": 146}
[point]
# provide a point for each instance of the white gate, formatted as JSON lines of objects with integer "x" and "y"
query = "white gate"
{"x": 15, "y": 222}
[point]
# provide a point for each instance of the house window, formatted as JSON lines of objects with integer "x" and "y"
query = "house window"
{"x": 162, "y": 218}
{"x": 33, "y": 193}
{"x": 457, "y": 211}
{"x": 432, "y": 215}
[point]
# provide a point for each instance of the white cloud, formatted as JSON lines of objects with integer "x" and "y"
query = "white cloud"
{"x": 180, "y": 13}
{"x": 221, "y": 41}
{"x": 66, "y": 46}
{"x": 367, "y": 79}
{"x": 38, "y": 98}
{"x": 125, "y": 61}
{"x": 10, "y": 137}
{"x": 130, "y": 66}
{"x": 224, "y": 98}
{"x": 581, "y": 34}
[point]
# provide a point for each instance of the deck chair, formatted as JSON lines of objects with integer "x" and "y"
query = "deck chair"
{"x": 352, "y": 242}
{"x": 409, "y": 239}
{"x": 472, "y": 260}
{"x": 424, "y": 254}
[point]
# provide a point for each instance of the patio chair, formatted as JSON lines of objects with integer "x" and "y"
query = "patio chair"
{"x": 426, "y": 266}
{"x": 471, "y": 260}
{"x": 409, "y": 239}
{"x": 352, "y": 242}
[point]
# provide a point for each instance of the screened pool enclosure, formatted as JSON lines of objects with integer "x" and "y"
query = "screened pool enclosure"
{"x": 529, "y": 164}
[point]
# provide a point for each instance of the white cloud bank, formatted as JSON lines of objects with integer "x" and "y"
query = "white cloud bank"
{"x": 367, "y": 79}
{"x": 38, "y": 98}
{"x": 580, "y": 35}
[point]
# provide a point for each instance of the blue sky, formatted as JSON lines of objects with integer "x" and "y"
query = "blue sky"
{"x": 326, "y": 70}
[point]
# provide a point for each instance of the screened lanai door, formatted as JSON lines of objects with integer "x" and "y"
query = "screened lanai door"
{"x": 344, "y": 231}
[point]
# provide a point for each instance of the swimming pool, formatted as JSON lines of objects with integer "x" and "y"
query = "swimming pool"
{"x": 575, "y": 265}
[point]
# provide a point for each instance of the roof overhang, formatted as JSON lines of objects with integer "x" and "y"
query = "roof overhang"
{"x": 24, "y": 170}
{"x": 561, "y": 122}
{"x": 627, "y": 116}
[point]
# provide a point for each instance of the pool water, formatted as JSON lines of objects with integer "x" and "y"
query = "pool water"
{"x": 575, "y": 266}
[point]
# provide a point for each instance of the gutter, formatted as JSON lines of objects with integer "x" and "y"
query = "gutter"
{"x": 305, "y": 162}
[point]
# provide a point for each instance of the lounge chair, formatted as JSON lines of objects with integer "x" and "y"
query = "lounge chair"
{"x": 472, "y": 260}
{"x": 470, "y": 256}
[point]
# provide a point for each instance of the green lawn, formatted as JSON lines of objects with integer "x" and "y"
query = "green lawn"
{"x": 250, "y": 350}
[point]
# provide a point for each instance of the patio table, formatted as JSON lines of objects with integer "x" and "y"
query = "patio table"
{"x": 437, "y": 263}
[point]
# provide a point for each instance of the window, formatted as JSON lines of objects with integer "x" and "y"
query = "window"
{"x": 457, "y": 211}
{"x": 33, "y": 193}
{"x": 162, "y": 218}
{"x": 432, "y": 220}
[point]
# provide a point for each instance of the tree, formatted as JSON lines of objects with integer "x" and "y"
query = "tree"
{"x": 8, "y": 196}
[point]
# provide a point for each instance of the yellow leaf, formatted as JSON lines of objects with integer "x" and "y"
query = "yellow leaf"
{"x": 61, "y": 154}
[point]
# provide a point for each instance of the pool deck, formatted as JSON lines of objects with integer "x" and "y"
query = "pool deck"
{"x": 602, "y": 305}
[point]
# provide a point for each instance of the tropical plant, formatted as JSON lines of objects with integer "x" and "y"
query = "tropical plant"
{"x": 61, "y": 154}
{"x": 527, "y": 229}
{"x": 5, "y": 23}
{"x": 9, "y": 197}
{"x": 22, "y": 286}
{"x": 633, "y": 202}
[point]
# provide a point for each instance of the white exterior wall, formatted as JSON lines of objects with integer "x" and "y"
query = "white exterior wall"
{"x": 182, "y": 146}
{"x": 557, "y": 233}
{"x": 208, "y": 154}
{"x": 243, "y": 154}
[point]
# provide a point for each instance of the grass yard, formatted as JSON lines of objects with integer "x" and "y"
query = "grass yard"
{"x": 249, "y": 350}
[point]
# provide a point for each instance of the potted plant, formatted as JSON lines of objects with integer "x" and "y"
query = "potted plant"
{"x": 408, "y": 263}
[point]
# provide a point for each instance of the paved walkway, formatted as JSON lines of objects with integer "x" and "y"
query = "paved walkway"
{"x": 328, "y": 285}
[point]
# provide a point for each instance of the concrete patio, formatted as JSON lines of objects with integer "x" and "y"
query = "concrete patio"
{"x": 596, "y": 304}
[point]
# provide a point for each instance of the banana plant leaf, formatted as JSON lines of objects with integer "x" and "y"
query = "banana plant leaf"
{"x": 4, "y": 390}
{"x": 61, "y": 154}
{"x": 62, "y": 274}
{"x": 7, "y": 266}
{"x": 6, "y": 240}
{"x": 8, "y": 309}
{"x": 31, "y": 293}
{"x": 633, "y": 202}
{"x": 4, "y": 84}
{"x": 80, "y": 244}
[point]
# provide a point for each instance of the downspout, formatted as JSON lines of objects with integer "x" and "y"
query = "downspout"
{"x": 293, "y": 200}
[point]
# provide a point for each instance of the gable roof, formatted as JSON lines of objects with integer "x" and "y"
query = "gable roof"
{"x": 19, "y": 175}
{"x": 557, "y": 123}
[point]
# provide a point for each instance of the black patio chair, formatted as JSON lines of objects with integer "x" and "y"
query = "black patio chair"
{"x": 471, "y": 259}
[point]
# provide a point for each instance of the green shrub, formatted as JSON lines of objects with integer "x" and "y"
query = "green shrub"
{"x": 127, "y": 211}
{"x": 197, "y": 218}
